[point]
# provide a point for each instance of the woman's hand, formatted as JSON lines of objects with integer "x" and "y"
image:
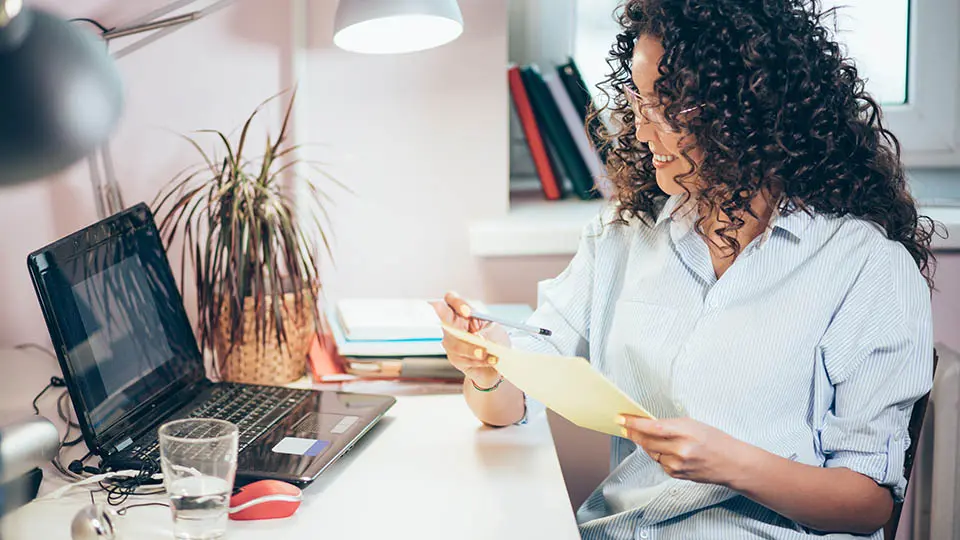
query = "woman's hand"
{"x": 688, "y": 449}
{"x": 468, "y": 358}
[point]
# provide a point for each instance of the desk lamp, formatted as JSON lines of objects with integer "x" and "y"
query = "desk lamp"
{"x": 396, "y": 26}
{"x": 60, "y": 96}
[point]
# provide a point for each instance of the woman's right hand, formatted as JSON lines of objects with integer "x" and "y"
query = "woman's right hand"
{"x": 473, "y": 361}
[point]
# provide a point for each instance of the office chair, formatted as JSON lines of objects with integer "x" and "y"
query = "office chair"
{"x": 916, "y": 422}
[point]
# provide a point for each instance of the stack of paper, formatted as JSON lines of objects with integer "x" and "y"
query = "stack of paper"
{"x": 385, "y": 344}
{"x": 390, "y": 338}
{"x": 367, "y": 319}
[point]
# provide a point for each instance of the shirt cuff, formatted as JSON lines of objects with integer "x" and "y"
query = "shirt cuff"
{"x": 531, "y": 409}
{"x": 885, "y": 468}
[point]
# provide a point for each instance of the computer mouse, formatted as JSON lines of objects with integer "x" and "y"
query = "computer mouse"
{"x": 265, "y": 499}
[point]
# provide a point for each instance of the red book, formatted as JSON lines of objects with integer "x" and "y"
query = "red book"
{"x": 326, "y": 366}
{"x": 538, "y": 149}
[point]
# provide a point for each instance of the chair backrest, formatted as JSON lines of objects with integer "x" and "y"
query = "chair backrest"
{"x": 916, "y": 422}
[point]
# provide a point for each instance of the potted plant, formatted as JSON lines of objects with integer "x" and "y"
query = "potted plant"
{"x": 252, "y": 252}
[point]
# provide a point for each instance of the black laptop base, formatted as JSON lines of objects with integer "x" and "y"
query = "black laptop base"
{"x": 335, "y": 421}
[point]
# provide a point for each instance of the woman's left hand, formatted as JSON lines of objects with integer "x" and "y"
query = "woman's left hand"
{"x": 688, "y": 449}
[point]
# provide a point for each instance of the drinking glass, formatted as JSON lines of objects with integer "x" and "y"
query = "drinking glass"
{"x": 199, "y": 460}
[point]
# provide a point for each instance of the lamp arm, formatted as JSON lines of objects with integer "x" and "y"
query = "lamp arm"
{"x": 152, "y": 25}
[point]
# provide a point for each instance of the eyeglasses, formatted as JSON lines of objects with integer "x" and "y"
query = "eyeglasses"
{"x": 650, "y": 112}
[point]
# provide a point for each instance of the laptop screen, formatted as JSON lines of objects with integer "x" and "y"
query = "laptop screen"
{"x": 115, "y": 306}
{"x": 126, "y": 343}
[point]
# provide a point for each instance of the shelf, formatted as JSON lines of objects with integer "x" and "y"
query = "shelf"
{"x": 949, "y": 216}
{"x": 534, "y": 226}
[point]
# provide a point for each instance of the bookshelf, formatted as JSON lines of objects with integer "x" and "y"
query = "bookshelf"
{"x": 534, "y": 227}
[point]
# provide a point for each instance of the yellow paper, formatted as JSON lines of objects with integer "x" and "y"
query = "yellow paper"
{"x": 567, "y": 385}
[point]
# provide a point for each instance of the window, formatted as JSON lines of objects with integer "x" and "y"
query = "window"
{"x": 909, "y": 55}
{"x": 875, "y": 33}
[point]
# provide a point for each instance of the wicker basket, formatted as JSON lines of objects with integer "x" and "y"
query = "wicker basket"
{"x": 250, "y": 362}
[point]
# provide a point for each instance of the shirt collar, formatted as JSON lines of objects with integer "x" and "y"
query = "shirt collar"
{"x": 786, "y": 216}
{"x": 791, "y": 219}
{"x": 687, "y": 213}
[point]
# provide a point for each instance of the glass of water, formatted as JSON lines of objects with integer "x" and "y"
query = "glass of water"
{"x": 199, "y": 460}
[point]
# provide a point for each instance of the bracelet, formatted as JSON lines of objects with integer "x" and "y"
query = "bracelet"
{"x": 491, "y": 389}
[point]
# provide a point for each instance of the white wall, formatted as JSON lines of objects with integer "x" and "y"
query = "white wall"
{"x": 422, "y": 139}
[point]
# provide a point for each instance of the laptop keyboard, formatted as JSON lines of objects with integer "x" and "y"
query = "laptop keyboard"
{"x": 254, "y": 409}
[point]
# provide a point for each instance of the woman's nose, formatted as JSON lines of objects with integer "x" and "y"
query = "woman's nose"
{"x": 643, "y": 130}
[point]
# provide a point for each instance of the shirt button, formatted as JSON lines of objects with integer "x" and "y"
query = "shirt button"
{"x": 674, "y": 491}
{"x": 642, "y": 533}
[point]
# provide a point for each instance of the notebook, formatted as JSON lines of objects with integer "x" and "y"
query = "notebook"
{"x": 375, "y": 319}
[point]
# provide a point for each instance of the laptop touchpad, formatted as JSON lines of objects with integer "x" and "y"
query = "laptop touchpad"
{"x": 312, "y": 434}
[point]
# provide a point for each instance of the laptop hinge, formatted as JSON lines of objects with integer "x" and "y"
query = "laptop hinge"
{"x": 169, "y": 407}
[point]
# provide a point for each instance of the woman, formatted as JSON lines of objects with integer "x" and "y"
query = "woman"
{"x": 762, "y": 285}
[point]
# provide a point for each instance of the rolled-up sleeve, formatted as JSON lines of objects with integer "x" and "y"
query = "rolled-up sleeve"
{"x": 878, "y": 355}
{"x": 563, "y": 307}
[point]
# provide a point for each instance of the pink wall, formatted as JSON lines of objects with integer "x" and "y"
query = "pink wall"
{"x": 209, "y": 74}
{"x": 946, "y": 301}
{"x": 420, "y": 138}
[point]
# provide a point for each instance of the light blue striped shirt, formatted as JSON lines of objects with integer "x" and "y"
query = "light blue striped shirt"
{"x": 813, "y": 345}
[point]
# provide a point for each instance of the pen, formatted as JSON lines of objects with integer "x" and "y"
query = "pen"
{"x": 519, "y": 326}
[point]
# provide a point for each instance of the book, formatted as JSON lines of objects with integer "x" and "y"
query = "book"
{"x": 325, "y": 366}
{"x": 410, "y": 347}
{"x": 557, "y": 133}
{"x": 415, "y": 367}
{"x": 575, "y": 125}
{"x": 535, "y": 139}
{"x": 374, "y": 319}
{"x": 579, "y": 94}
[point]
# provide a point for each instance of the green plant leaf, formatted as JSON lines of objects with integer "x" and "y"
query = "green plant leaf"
{"x": 246, "y": 237}
{"x": 226, "y": 143}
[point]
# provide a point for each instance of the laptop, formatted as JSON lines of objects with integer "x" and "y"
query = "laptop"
{"x": 131, "y": 362}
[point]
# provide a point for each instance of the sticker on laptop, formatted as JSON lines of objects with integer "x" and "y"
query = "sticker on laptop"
{"x": 301, "y": 447}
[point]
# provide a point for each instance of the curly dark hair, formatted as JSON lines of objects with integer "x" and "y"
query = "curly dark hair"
{"x": 780, "y": 110}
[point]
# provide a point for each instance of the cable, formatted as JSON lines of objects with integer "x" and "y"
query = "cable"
{"x": 24, "y": 346}
{"x": 103, "y": 29}
{"x": 63, "y": 410}
{"x": 119, "y": 488}
{"x": 55, "y": 382}
{"x": 123, "y": 510}
{"x": 72, "y": 473}
{"x": 78, "y": 467}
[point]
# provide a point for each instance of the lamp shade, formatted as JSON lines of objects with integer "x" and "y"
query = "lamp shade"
{"x": 60, "y": 94}
{"x": 396, "y": 26}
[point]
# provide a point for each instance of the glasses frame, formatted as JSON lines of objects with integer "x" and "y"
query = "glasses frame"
{"x": 634, "y": 97}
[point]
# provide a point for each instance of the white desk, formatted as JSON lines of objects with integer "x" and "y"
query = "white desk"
{"x": 428, "y": 470}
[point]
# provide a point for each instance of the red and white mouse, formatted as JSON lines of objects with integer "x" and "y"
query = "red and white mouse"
{"x": 265, "y": 499}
